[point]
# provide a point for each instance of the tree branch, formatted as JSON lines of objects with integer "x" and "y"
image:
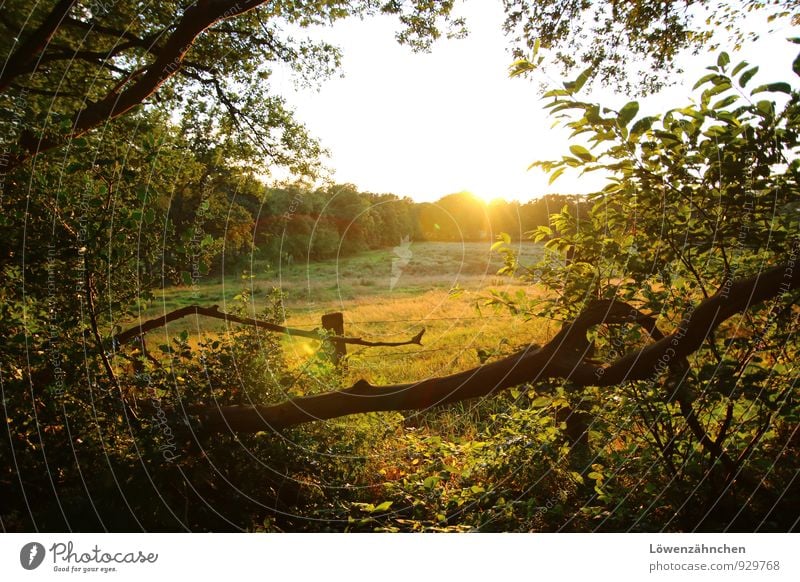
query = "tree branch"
{"x": 195, "y": 20}
{"x": 35, "y": 43}
{"x": 562, "y": 357}
{"x": 214, "y": 312}
{"x": 114, "y": 33}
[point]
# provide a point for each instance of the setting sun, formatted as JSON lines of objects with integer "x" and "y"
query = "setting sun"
{"x": 389, "y": 140}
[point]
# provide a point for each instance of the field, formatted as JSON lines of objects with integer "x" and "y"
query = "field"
{"x": 385, "y": 295}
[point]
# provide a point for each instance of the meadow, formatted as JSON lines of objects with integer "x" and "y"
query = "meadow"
{"x": 439, "y": 286}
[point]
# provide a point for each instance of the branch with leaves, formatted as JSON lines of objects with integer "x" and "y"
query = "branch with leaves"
{"x": 131, "y": 57}
{"x": 563, "y": 357}
{"x": 194, "y": 21}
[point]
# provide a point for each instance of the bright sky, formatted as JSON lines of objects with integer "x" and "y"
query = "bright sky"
{"x": 426, "y": 125}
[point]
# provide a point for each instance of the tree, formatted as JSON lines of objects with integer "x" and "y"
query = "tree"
{"x": 212, "y": 60}
{"x": 632, "y": 45}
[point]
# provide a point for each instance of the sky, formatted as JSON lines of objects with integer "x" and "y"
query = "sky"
{"x": 426, "y": 125}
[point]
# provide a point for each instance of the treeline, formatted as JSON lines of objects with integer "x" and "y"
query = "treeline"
{"x": 294, "y": 223}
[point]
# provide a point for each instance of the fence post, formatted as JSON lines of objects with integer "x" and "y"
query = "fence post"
{"x": 334, "y": 323}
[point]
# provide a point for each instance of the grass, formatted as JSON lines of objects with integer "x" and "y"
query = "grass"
{"x": 329, "y": 285}
{"x": 456, "y": 333}
{"x": 380, "y": 307}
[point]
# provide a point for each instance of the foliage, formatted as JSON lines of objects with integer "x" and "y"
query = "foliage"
{"x": 631, "y": 45}
{"x": 105, "y": 204}
{"x": 695, "y": 197}
{"x": 210, "y": 63}
{"x": 724, "y": 166}
{"x": 78, "y": 66}
{"x": 506, "y": 477}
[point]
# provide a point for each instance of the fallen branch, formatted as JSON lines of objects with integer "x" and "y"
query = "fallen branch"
{"x": 214, "y": 312}
{"x": 562, "y": 357}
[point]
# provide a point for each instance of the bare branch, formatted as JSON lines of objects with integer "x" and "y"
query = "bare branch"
{"x": 214, "y": 312}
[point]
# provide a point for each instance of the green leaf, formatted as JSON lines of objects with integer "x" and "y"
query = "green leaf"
{"x": 554, "y": 176}
{"x": 747, "y": 75}
{"x": 642, "y": 125}
{"x": 796, "y": 65}
{"x": 541, "y": 233}
{"x": 520, "y": 67}
{"x": 715, "y": 90}
{"x": 582, "y": 153}
{"x": 723, "y": 59}
{"x": 556, "y": 93}
{"x": 627, "y": 113}
{"x": 765, "y": 107}
{"x": 430, "y": 482}
{"x": 722, "y": 103}
{"x": 738, "y": 68}
{"x": 780, "y": 87}
{"x": 580, "y": 81}
{"x": 577, "y": 477}
{"x": 382, "y": 507}
{"x": 704, "y": 79}
{"x": 541, "y": 402}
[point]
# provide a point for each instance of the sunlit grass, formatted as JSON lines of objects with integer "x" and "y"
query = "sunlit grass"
{"x": 456, "y": 331}
{"x": 309, "y": 288}
{"x": 442, "y": 288}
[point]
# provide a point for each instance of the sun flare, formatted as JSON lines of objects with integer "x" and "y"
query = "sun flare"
{"x": 484, "y": 196}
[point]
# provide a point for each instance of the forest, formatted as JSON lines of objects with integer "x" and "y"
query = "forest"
{"x": 624, "y": 360}
{"x": 258, "y": 223}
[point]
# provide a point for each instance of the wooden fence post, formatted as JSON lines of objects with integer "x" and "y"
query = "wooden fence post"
{"x": 334, "y": 323}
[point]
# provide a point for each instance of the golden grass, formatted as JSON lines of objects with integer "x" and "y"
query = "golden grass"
{"x": 455, "y": 332}
{"x": 457, "y": 329}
